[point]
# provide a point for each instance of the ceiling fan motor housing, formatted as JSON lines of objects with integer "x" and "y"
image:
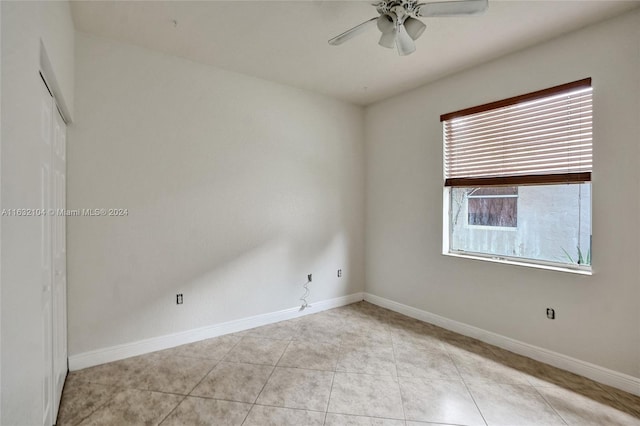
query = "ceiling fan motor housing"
{"x": 402, "y": 9}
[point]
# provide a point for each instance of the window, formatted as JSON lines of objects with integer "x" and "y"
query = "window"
{"x": 493, "y": 206}
{"x": 517, "y": 178}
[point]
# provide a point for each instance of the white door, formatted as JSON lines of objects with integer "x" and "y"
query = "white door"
{"x": 59, "y": 259}
{"x": 46, "y": 127}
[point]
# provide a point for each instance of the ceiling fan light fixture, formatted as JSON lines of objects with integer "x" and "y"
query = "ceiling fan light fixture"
{"x": 414, "y": 27}
{"x": 388, "y": 39}
{"x": 386, "y": 23}
{"x": 404, "y": 42}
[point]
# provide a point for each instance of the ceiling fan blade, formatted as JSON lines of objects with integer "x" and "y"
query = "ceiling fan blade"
{"x": 349, "y": 34}
{"x": 452, "y": 8}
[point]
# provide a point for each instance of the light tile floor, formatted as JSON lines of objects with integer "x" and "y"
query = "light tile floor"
{"x": 355, "y": 365}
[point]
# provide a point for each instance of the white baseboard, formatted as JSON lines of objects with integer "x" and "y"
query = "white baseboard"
{"x": 603, "y": 375}
{"x": 141, "y": 347}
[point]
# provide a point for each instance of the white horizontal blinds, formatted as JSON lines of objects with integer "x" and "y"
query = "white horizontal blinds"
{"x": 542, "y": 137}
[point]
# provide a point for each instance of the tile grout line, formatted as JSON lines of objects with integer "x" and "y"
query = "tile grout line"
{"x": 395, "y": 363}
{"x": 529, "y": 384}
{"x": 326, "y": 412}
{"x": 172, "y": 410}
{"x": 464, "y": 382}
{"x": 282, "y": 366}
{"x": 333, "y": 379}
{"x": 217, "y": 363}
{"x": 289, "y": 408}
{"x": 265, "y": 383}
{"x": 550, "y": 406}
{"x": 272, "y": 371}
{"x": 620, "y": 401}
{"x": 599, "y": 386}
{"x": 197, "y": 384}
{"x": 187, "y": 395}
{"x": 380, "y": 417}
{"x": 246, "y": 416}
{"x": 97, "y": 408}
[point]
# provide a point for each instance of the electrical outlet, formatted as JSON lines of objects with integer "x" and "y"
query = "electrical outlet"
{"x": 310, "y": 277}
{"x": 339, "y": 273}
{"x": 551, "y": 313}
{"x": 179, "y": 299}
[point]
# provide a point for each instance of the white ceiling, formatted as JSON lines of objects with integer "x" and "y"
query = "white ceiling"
{"x": 286, "y": 41}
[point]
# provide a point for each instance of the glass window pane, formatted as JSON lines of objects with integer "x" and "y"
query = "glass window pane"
{"x": 542, "y": 222}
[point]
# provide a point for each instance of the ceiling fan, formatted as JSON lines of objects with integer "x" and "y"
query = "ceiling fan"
{"x": 399, "y": 25}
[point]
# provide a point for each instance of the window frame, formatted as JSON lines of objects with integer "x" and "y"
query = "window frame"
{"x": 515, "y": 180}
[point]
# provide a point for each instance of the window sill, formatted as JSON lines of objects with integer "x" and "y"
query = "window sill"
{"x": 547, "y": 267}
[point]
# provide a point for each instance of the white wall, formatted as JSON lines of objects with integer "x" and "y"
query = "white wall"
{"x": 24, "y": 26}
{"x": 0, "y": 220}
{"x": 598, "y": 317}
{"x": 236, "y": 188}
